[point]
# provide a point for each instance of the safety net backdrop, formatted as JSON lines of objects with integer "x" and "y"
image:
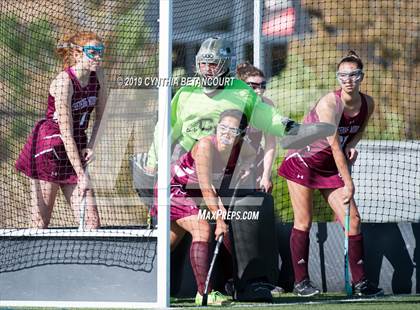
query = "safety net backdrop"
{"x": 302, "y": 42}
{"x": 31, "y": 31}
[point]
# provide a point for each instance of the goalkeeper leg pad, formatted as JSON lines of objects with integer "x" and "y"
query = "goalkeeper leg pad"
{"x": 254, "y": 245}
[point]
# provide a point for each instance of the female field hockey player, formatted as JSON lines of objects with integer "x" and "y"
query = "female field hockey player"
{"x": 324, "y": 165}
{"x": 194, "y": 178}
{"x": 58, "y": 151}
{"x": 255, "y": 78}
{"x": 195, "y": 109}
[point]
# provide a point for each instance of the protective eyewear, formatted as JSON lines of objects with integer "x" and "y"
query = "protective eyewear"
{"x": 91, "y": 51}
{"x": 354, "y": 76}
{"x": 254, "y": 86}
{"x": 223, "y": 129}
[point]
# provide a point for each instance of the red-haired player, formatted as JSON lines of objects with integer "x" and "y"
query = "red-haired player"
{"x": 57, "y": 151}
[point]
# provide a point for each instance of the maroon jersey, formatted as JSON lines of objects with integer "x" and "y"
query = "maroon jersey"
{"x": 82, "y": 104}
{"x": 314, "y": 166}
{"x": 43, "y": 156}
{"x": 185, "y": 189}
{"x": 184, "y": 171}
{"x": 254, "y": 136}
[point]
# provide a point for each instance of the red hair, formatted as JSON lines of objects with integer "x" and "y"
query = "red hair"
{"x": 70, "y": 42}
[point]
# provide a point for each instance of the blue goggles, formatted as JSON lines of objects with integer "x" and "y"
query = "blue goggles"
{"x": 91, "y": 51}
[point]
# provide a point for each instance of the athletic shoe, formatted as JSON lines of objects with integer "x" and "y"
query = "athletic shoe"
{"x": 366, "y": 289}
{"x": 275, "y": 291}
{"x": 305, "y": 289}
{"x": 213, "y": 298}
{"x": 254, "y": 292}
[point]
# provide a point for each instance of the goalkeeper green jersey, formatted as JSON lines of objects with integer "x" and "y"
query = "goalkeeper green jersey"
{"x": 195, "y": 115}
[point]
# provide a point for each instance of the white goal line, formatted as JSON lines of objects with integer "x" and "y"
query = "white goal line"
{"x": 37, "y": 232}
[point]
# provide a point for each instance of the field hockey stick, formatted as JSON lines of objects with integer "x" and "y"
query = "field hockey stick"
{"x": 82, "y": 211}
{"x": 82, "y": 208}
{"x": 210, "y": 272}
{"x": 217, "y": 248}
{"x": 302, "y": 135}
{"x": 347, "y": 284}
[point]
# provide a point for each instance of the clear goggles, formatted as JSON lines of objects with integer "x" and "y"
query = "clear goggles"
{"x": 223, "y": 129}
{"x": 91, "y": 51}
{"x": 354, "y": 76}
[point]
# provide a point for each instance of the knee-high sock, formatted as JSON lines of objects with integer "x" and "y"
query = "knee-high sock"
{"x": 299, "y": 247}
{"x": 199, "y": 257}
{"x": 356, "y": 258}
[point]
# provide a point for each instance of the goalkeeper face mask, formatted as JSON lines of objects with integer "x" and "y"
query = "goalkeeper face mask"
{"x": 214, "y": 60}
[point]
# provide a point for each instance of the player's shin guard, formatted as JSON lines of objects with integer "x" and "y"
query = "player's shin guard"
{"x": 254, "y": 248}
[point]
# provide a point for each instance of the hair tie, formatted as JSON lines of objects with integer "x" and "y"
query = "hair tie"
{"x": 66, "y": 45}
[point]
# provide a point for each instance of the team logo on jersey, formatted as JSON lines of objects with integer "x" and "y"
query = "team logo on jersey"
{"x": 348, "y": 129}
{"x": 84, "y": 103}
{"x": 202, "y": 127}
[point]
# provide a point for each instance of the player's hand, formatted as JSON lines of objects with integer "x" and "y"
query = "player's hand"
{"x": 351, "y": 154}
{"x": 87, "y": 155}
{"x": 266, "y": 185}
{"x": 149, "y": 170}
{"x": 221, "y": 228}
{"x": 348, "y": 192}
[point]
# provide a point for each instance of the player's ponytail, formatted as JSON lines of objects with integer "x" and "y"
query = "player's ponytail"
{"x": 351, "y": 57}
{"x": 70, "y": 43}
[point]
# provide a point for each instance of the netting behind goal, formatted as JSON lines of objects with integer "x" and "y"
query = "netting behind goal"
{"x": 29, "y": 33}
{"x": 302, "y": 41}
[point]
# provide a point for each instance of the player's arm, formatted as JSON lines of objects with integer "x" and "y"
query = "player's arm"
{"x": 176, "y": 126}
{"x": 202, "y": 153}
{"x": 99, "y": 107}
{"x": 266, "y": 118}
{"x": 269, "y": 154}
{"x": 62, "y": 91}
{"x": 327, "y": 112}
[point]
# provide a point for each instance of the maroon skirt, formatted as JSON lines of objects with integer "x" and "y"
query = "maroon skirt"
{"x": 182, "y": 203}
{"x": 295, "y": 168}
{"x": 44, "y": 157}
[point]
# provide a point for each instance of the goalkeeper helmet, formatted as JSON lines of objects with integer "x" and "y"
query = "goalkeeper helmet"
{"x": 215, "y": 51}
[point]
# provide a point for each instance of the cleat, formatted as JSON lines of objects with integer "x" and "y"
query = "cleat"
{"x": 365, "y": 288}
{"x": 214, "y": 298}
{"x": 305, "y": 289}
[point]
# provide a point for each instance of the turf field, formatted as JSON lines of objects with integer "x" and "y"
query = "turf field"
{"x": 289, "y": 302}
{"x": 324, "y": 302}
